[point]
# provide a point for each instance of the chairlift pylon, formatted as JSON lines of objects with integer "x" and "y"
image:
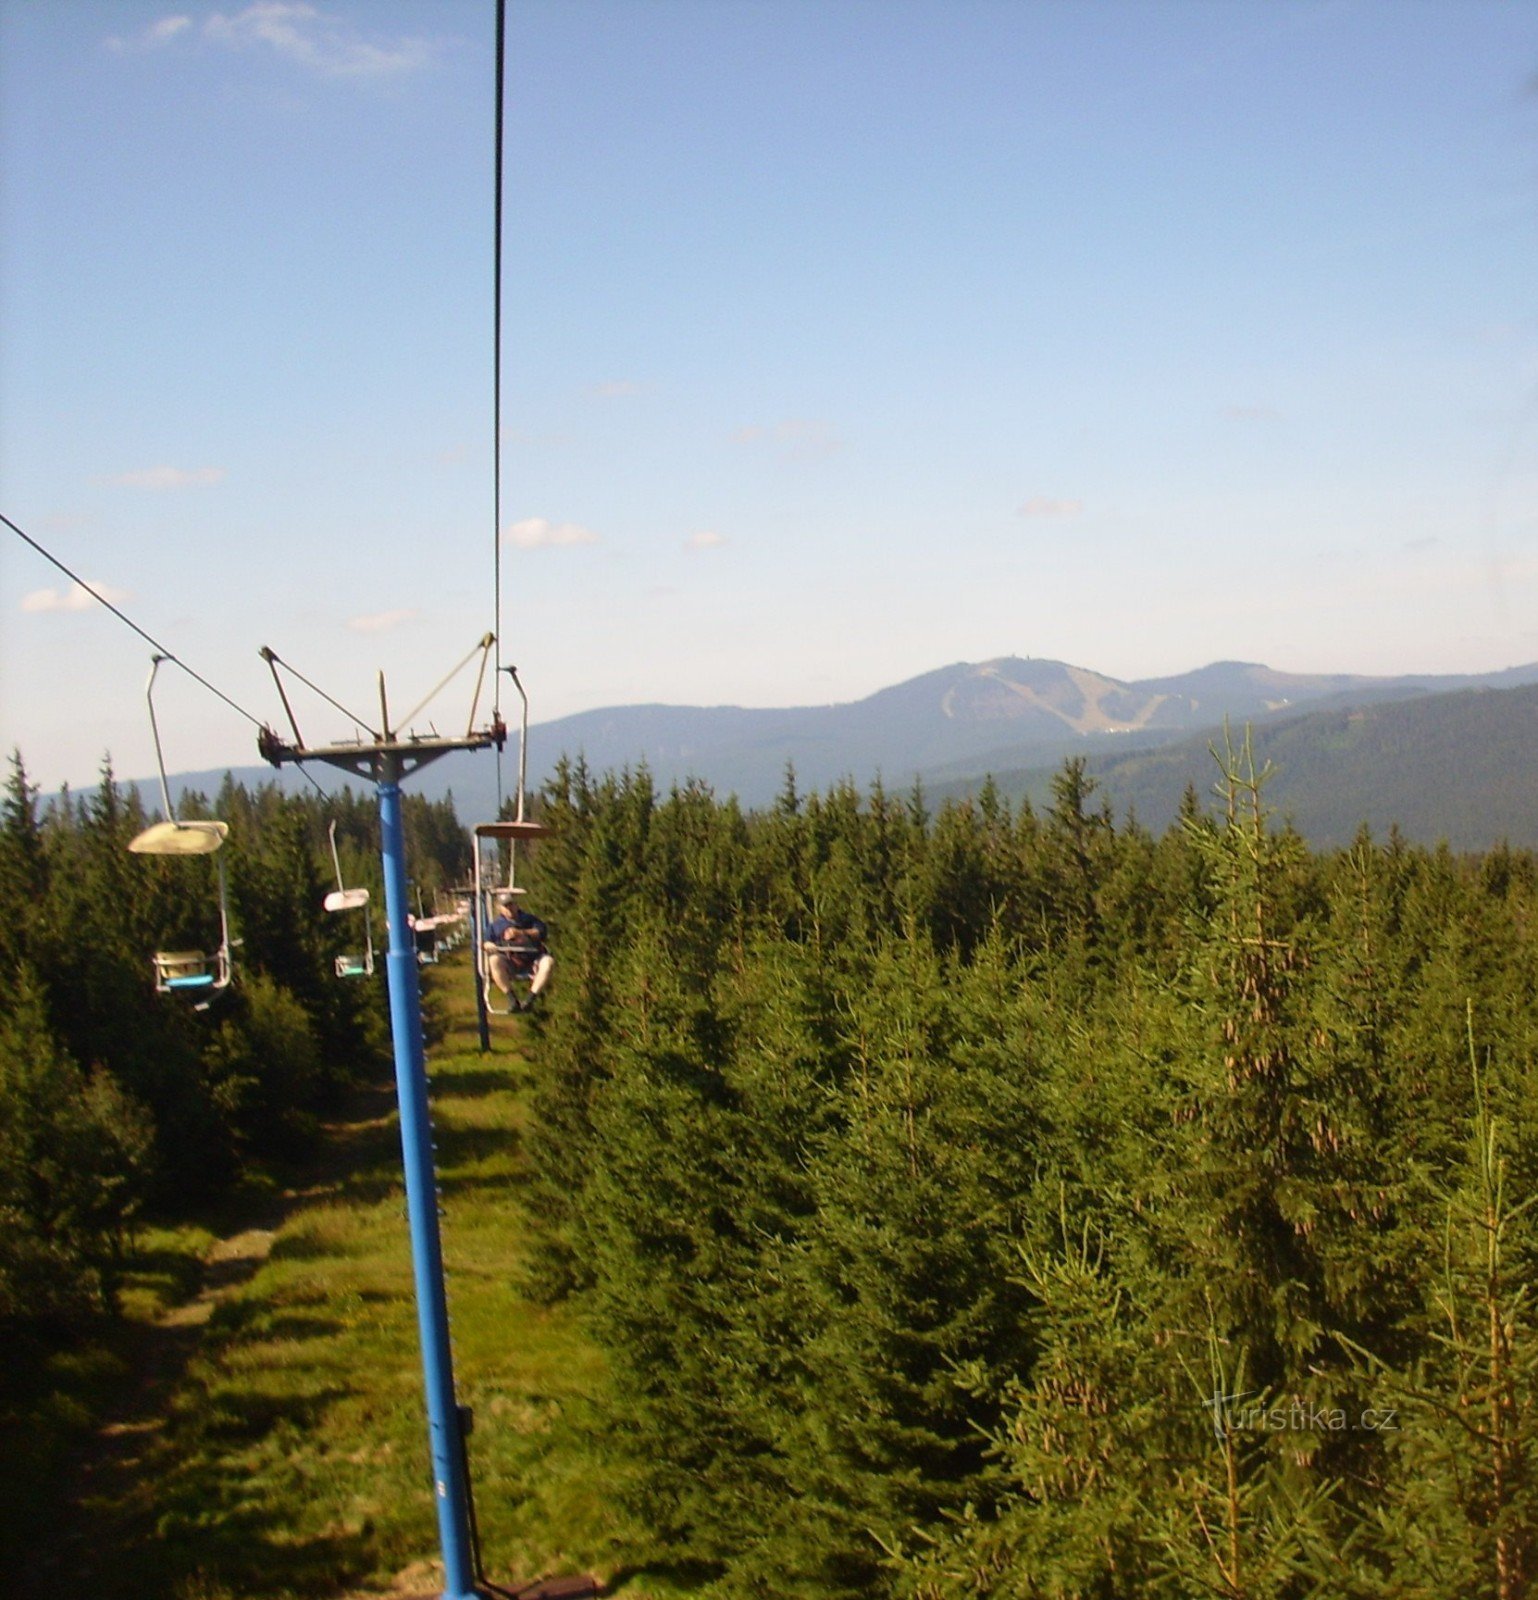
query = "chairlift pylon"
{"x": 196, "y": 974}
{"x": 386, "y": 759}
{"x": 351, "y": 964}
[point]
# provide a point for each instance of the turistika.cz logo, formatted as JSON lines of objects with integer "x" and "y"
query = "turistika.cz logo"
{"x": 1247, "y": 1412}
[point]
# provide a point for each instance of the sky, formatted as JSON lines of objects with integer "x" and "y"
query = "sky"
{"x": 841, "y": 341}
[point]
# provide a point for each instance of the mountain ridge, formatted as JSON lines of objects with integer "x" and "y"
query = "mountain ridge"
{"x": 947, "y": 726}
{"x": 1459, "y": 768}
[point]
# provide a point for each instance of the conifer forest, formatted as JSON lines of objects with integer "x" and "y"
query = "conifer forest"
{"x": 112, "y": 1101}
{"x": 968, "y": 1201}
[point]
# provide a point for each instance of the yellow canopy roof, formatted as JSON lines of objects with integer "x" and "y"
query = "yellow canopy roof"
{"x": 180, "y": 839}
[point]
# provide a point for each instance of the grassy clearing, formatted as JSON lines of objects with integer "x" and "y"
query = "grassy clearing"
{"x": 286, "y": 1453}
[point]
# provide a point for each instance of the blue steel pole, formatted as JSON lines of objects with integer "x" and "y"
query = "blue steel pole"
{"x": 449, "y": 1487}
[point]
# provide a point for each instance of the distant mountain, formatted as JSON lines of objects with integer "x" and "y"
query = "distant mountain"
{"x": 1459, "y": 767}
{"x": 967, "y": 718}
{"x": 948, "y": 727}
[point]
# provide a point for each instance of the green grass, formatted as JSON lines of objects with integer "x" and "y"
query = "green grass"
{"x": 285, "y": 1452}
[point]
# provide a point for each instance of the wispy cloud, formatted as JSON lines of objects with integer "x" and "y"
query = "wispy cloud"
{"x": 1244, "y": 413}
{"x": 154, "y": 37}
{"x": 75, "y": 598}
{"x": 615, "y": 389}
{"x": 316, "y": 40}
{"x": 304, "y": 35}
{"x": 383, "y": 621}
{"x": 1043, "y": 505}
{"x": 800, "y": 438}
{"x": 539, "y": 533}
{"x": 169, "y": 478}
{"x": 705, "y": 539}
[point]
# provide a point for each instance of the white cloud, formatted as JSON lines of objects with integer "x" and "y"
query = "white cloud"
{"x": 800, "y": 438}
{"x": 75, "y": 598}
{"x": 615, "y": 389}
{"x": 153, "y": 37}
{"x": 314, "y": 39}
{"x": 705, "y": 539}
{"x": 383, "y": 621}
{"x": 539, "y": 533}
{"x": 1042, "y": 505}
{"x": 169, "y": 478}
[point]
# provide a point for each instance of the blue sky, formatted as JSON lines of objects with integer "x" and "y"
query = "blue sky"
{"x": 841, "y": 341}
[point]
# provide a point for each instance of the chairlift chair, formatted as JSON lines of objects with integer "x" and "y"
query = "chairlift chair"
{"x": 484, "y": 894}
{"x": 196, "y": 974}
{"x": 451, "y": 908}
{"x": 352, "y": 964}
{"x": 516, "y": 828}
{"x": 425, "y": 932}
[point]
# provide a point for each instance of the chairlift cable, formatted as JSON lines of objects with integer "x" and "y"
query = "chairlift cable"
{"x": 161, "y": 651}
{"x": 496, "y": 382}
{"x": 166, "y": 654}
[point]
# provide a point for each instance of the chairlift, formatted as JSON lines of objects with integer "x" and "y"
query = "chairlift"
{"x": 512, "y": 830}
{"x": 343, "y": 899}
{"x": 451, "y": 907}
{"x": 196, "y": 974}
{"x": 424, "y": 934}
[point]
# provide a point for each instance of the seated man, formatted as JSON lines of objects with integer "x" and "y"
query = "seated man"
{"x": 515, "y": 950}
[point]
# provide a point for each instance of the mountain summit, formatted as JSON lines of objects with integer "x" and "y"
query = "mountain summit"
{"x": 1008, "y": 713}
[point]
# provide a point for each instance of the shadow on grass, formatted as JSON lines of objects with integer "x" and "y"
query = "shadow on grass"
{"x": 360, "y": 1190}
{"x": 249, "y": 1319}
{"x": 248, "y": 1553}
{"x": 473, "y": 1082}
{"x": 473, "y": 1160}
{"x": 230, "y": 1415}
{"x": 681, "y": 1578}
{"x": 365, "y": 1163}
{"x": 178, "y": 1273}
{"x": 195, "y": 1516}
{"x": 475, "y": 1146}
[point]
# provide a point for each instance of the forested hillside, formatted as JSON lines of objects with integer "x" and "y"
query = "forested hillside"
{"x": 1456, "y": 766}
{"x": 1010, "y": 1203}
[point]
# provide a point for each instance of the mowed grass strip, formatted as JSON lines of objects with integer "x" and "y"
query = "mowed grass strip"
{"x": 293, "y": 1460}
